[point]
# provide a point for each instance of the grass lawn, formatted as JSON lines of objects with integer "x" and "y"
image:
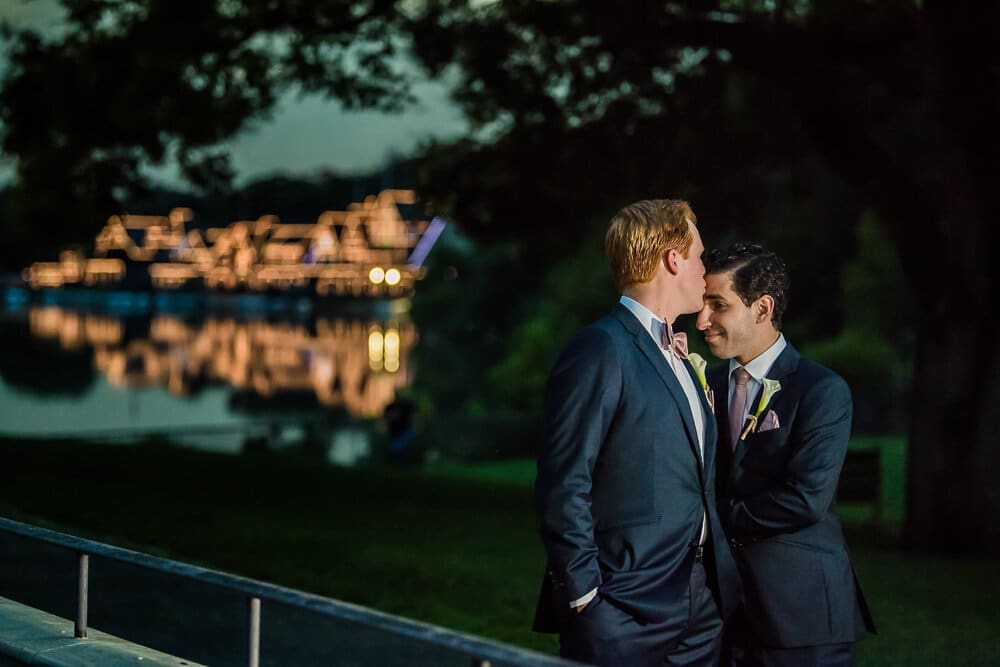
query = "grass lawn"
{"x": 455, "y": 545}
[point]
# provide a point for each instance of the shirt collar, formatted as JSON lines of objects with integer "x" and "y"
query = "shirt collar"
{"x": 761, "y": 364}
{"x": 649, "y": 321}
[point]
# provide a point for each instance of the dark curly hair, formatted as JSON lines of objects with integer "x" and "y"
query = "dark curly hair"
{"x": 755, "y": 272}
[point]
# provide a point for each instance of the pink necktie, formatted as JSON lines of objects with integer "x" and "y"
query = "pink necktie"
{"x": 675, "y": 342}
{"x": 738, "y": 408}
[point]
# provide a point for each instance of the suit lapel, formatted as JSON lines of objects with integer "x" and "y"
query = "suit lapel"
{"x": 654, "y": 354}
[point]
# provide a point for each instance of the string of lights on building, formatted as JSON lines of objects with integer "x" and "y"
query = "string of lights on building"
{"x": 368, "y": 250}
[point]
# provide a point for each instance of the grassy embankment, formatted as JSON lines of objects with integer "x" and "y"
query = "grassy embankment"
{"x": 455, "y": 546}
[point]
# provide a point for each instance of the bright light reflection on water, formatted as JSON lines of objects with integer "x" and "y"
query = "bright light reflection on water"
{"x": 220, "y": 382}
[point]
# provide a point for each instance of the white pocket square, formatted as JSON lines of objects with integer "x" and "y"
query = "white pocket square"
{"x": 769, "y": 422}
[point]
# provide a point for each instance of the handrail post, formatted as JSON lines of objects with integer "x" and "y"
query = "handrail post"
{"x": 254, "y": 632}
{"x": 82, "y": 590}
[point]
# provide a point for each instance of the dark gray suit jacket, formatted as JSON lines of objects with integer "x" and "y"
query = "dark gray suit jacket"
{"x": 777, "y": 503}
{"x": 621, "y": 487}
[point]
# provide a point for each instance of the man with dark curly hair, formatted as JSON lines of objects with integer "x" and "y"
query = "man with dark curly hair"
{"x": 783, "y": 434}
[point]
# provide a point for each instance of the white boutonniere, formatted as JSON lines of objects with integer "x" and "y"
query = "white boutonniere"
{"x": 771, "y": 387}
{"x": 699, "y": 364}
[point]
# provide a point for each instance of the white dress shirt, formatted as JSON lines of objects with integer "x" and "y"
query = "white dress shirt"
{"x": 758, "y": 369}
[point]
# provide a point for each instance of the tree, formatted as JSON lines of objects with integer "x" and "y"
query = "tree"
{"x": 599, "y": 101}
{"x": 133, "y": 84}
{"x": 871, "y": 350}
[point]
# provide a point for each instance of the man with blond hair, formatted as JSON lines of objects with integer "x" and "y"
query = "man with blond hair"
{"x": 639, "y": 571}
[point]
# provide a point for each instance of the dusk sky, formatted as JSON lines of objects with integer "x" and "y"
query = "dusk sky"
{"x": 305, "y": 135}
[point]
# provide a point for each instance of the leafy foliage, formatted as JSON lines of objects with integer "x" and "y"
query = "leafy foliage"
{"x": 132, "y": 84}
{"x": 575, "y": 292}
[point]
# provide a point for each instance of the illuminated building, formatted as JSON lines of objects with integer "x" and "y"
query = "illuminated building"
{"x": 366, "y": 251}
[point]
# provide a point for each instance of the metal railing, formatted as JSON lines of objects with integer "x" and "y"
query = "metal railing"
{"x": 480, "y": 652}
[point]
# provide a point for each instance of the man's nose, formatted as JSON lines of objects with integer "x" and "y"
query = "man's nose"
{"x": 702, "y": 321}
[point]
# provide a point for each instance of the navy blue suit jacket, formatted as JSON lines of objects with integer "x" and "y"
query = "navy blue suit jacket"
{"x": 777, "y": 495}
{"x": 621, "y": 487}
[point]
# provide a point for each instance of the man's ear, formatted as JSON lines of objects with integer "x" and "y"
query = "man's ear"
{"x": 763, "y": 308}
{"x": 672, "y": 261}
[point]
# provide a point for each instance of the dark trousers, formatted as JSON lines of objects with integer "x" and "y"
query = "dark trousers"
{"x": 740, "y": 650}
{"x": 602, "y": 634}
{"x": 825, "y": 655}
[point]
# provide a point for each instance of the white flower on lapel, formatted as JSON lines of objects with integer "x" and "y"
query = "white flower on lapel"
{"x": 699, "y": 364}
{"x": 771, "y": 387}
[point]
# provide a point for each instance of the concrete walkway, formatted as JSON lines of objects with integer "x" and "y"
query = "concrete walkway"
{"x": 32, "y": 637}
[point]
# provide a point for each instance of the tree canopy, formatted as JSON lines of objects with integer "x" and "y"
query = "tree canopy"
{"x": 133, "y": 84}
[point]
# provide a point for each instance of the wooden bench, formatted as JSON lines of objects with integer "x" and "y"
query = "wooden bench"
{"x": 861, "y": 480}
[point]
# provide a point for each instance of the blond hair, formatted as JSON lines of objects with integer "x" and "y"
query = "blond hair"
{"x": 641, "y": 234}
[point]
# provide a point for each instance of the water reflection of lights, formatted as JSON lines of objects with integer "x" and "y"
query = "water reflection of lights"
{"x": 376, "y": 347}
{"x": 391, "y": 354}
{"x": 74, "y": 330}
{"x": 359, "y": 365}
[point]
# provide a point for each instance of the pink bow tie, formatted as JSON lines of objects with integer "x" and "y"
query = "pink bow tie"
{"x": 675, "y": 342}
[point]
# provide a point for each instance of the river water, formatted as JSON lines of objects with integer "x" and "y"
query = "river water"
{"x": 260, "y": 373}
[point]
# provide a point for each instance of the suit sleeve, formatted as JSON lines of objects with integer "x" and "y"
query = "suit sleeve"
{"x": 820, "y": 437}
{"x": 581, "y": 400}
